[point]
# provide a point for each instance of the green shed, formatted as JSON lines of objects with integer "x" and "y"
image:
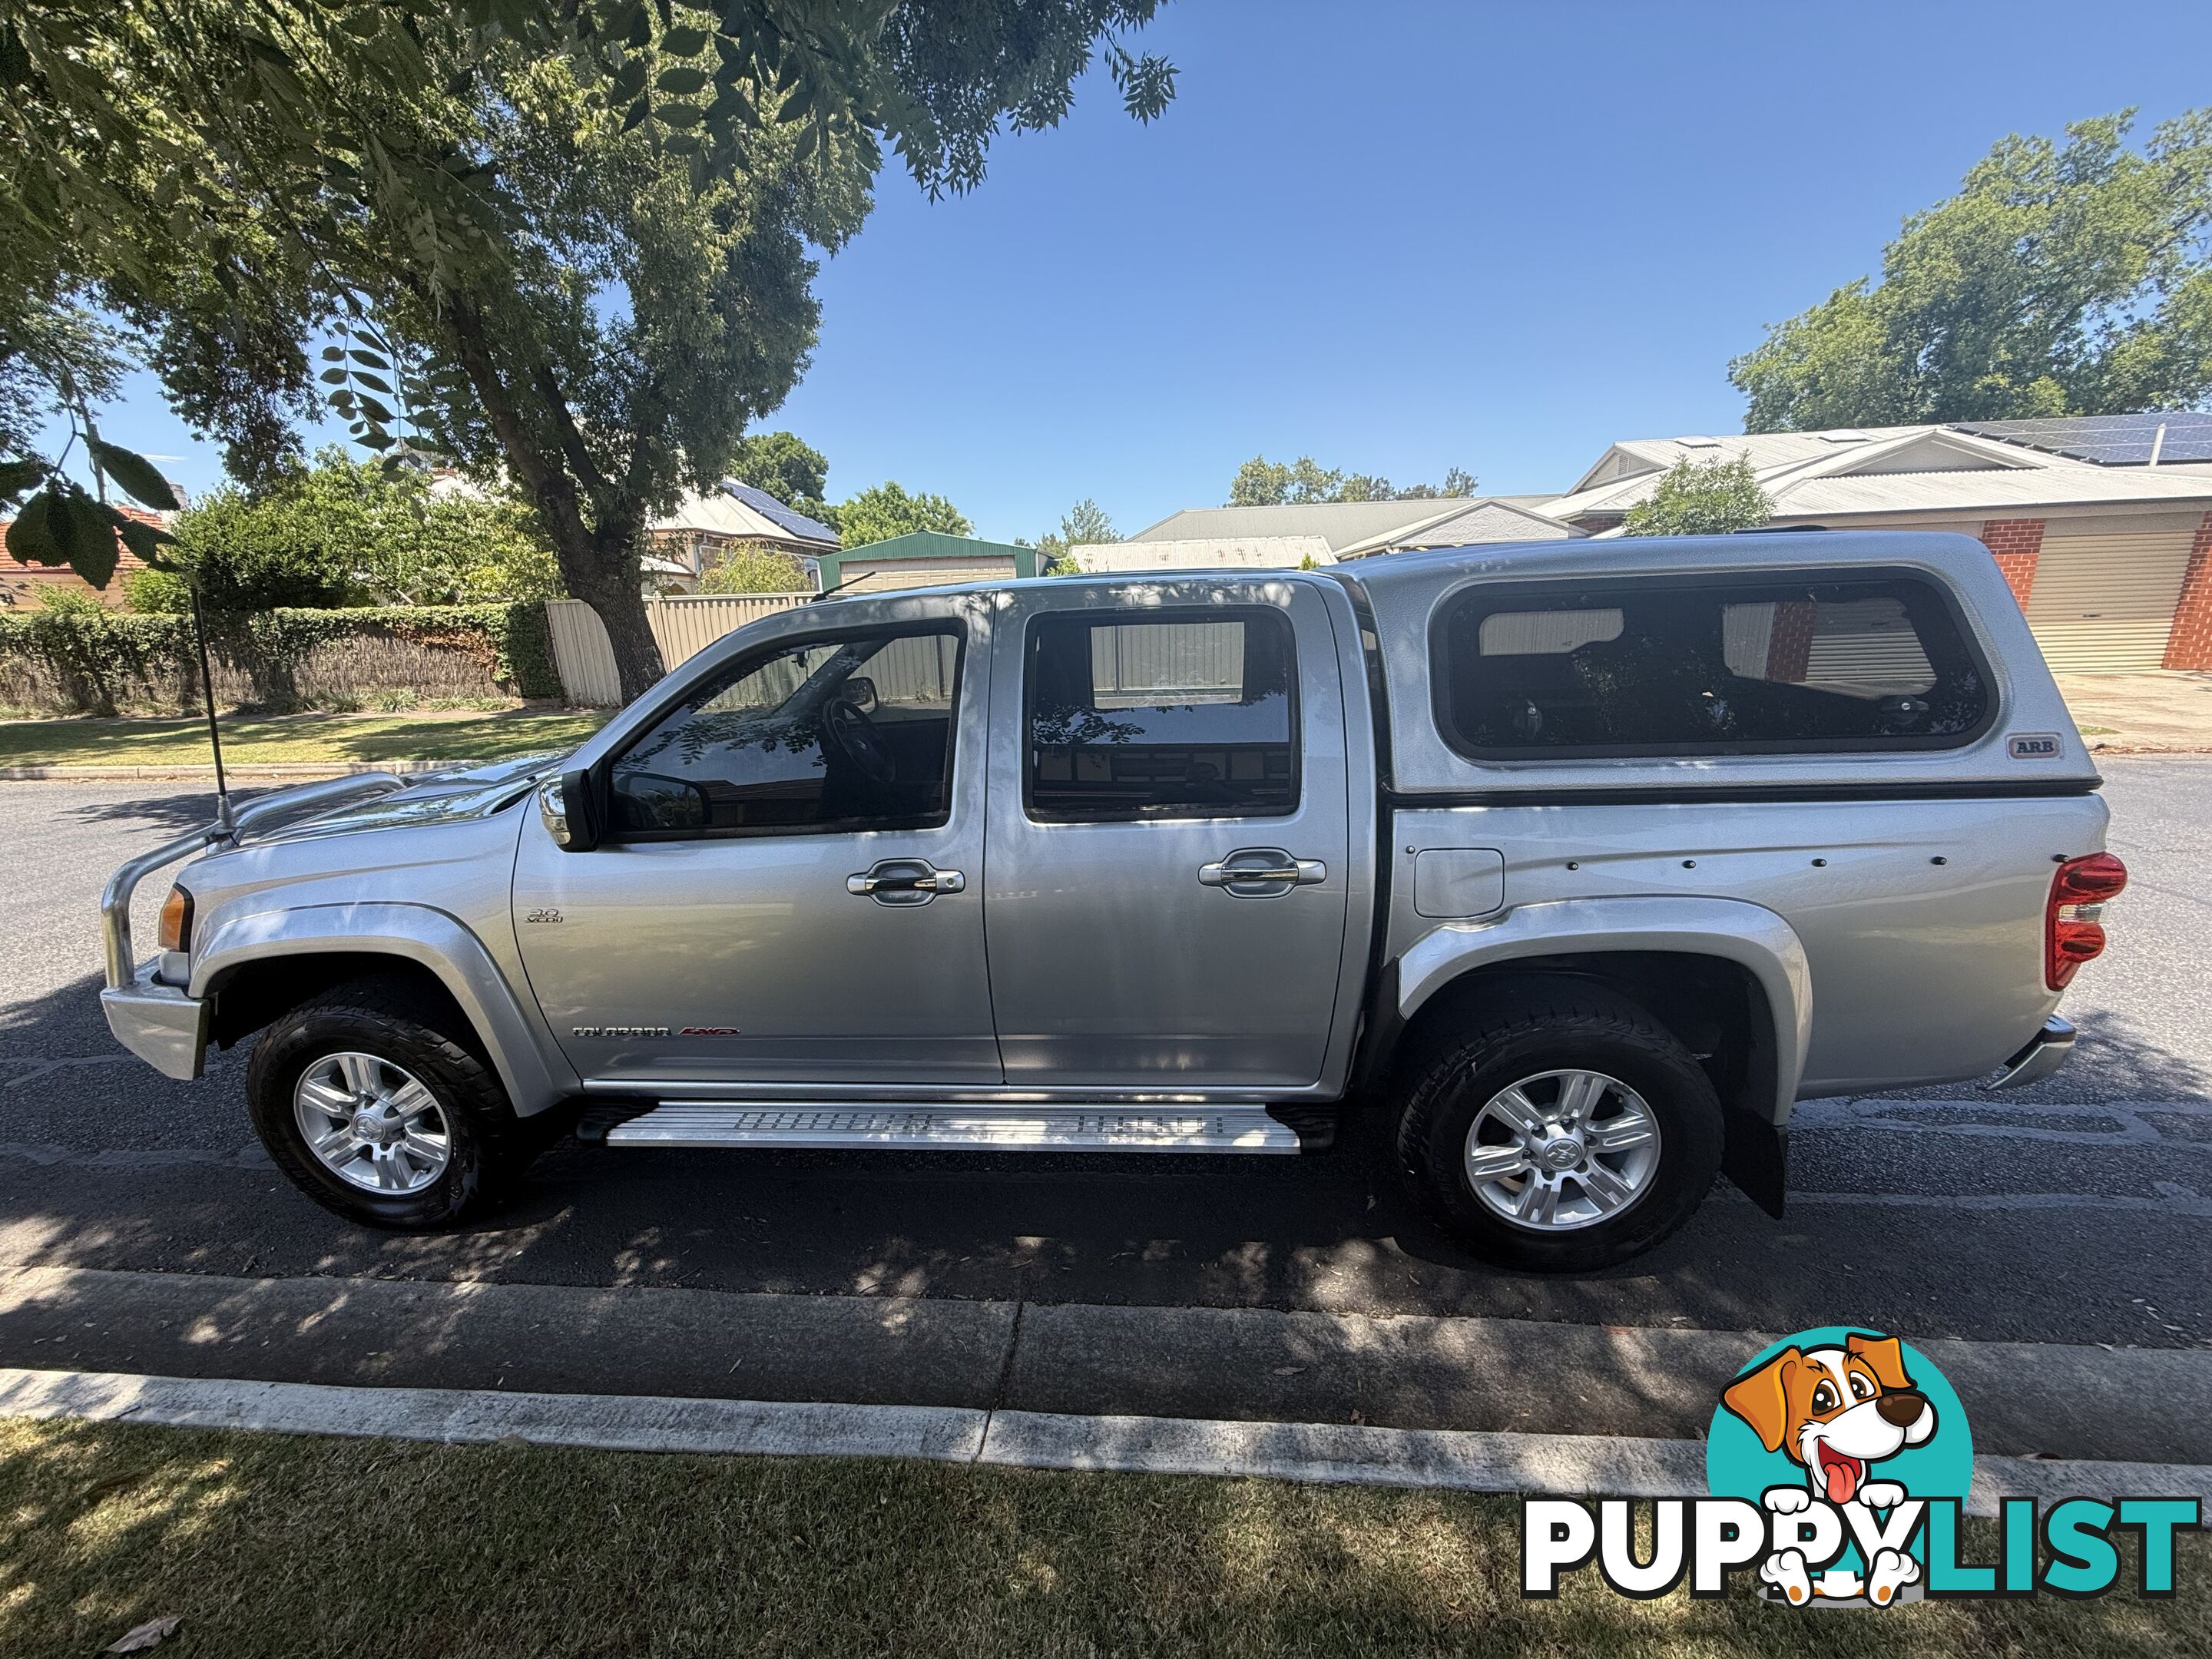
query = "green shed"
{"x": 923, "y": 559}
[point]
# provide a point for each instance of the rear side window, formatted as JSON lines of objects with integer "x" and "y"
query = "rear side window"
{"x": 1165, "y": 717}
{"x": 1662, "y": 667}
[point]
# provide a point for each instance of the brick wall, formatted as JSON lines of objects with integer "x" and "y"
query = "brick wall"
{"x": 2190, "y": 645}
{"x": 2016, "y": 543}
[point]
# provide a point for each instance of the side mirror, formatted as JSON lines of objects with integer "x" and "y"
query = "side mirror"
{"x": 570, "y": 807}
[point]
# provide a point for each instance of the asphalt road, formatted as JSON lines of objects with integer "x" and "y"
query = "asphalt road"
{"x": 2077, "y": 1213}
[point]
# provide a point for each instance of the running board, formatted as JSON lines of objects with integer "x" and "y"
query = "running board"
{"x": 929, "y": 1126}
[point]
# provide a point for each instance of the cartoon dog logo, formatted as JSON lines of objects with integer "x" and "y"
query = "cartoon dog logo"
{"x": 1836, "y": 1413}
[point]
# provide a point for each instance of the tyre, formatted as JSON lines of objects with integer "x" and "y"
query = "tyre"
{"x": 1566, "y": 1130}
{"x": 375, "y": 1107}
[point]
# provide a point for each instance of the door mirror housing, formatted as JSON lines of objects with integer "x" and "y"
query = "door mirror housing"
{"x": 570, "y": 807}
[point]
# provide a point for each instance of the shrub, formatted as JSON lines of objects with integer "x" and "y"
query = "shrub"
{"x": 100, "y": 661}
{"x": 751, "y": 567}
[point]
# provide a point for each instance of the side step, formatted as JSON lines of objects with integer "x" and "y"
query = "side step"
{"x": 930, "y": 1126}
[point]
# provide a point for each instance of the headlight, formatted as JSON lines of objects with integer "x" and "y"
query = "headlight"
{"x": 176, "y": 932}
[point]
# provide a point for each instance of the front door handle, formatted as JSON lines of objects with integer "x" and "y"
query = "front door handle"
{"x": 1261, "y": 872}
{"x": 904, "y": 881}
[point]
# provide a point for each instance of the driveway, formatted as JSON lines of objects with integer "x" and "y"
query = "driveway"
{"x": 141, "y": 1227}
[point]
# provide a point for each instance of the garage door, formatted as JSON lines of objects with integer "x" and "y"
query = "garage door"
{"x": 2107, "y": 603}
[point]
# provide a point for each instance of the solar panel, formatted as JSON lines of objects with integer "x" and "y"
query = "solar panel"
{"x": 768, "y": 507}
{"x": 2108, "y": 439}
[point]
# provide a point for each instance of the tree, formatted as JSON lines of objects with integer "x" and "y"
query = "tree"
{"x": 2062, "y": 279}
{"x": 343, "y": 533}
{"x": 1083, "y": 525}
{"x": 1701, "y": 498}
{"x": 877, "y": 514}
{"x": 795, "y": 473}
{"x": 568, "y": 243}
{"x": 1262, "y": 482}
{"x": 752, "y": 568}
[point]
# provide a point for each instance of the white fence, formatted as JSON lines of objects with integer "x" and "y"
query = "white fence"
{"x": 683, "y": 626}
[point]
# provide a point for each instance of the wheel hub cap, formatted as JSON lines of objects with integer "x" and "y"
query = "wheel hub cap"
{"x": 372, "y": 1124}
{"x": 1562, "y": 1150}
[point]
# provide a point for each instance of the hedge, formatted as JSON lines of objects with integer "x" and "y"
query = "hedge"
{"x": 99, "y": 659}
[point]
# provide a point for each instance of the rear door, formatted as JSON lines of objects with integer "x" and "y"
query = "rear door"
{"x": 1168, "y": 836}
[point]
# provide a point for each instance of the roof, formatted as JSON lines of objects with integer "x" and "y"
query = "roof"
{"x": 736, "y": 511}
{"x": 1877, "y": 469}
{"x": 2174, "y": 436}
{"x": 1466, "y": 523}
{"x": 768, "y": 507}
{"x": 936, "y": 544}
{"x": 1339, "y": 524}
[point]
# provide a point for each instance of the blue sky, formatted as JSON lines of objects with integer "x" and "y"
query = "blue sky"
{"x": 1404, "y": 236}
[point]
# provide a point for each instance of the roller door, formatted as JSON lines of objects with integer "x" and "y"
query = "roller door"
{"x": 2107, "y": 603}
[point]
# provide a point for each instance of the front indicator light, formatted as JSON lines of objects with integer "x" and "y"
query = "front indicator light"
{"x": 176, "y": 930}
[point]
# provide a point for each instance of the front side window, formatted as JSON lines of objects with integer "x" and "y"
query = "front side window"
{"x": 1659, "y": 667}
{"x": 1177, "y": 717}
{"x": 844, "y": 732}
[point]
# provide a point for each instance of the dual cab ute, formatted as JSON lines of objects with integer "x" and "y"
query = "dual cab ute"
{"x": 1577, "y": 862}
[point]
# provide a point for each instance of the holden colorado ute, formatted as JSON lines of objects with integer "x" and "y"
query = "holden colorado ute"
{"x": 1573, "y": 864}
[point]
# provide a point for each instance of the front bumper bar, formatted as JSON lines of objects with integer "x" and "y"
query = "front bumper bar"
{"x": 2048, "y": 1049}
{"x": 158, "y": 1022}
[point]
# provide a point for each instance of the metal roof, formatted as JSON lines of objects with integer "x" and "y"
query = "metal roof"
{"x": 775, "y": 511}
{"x": 1339, "y": 524}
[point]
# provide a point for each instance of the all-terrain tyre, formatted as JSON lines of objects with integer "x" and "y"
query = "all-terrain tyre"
{"x": 415, "y": 1132}
{"x": 1489, "y": 1144}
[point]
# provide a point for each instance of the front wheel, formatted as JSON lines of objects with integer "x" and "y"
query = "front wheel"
{"x": 1568, "y": 1132}
{"x": 378, "y": 1112}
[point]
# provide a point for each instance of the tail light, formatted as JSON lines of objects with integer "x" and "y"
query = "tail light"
{"x": 176, "y": 931}
{"x": 2072, "y": 929}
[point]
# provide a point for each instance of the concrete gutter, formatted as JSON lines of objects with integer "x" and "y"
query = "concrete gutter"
{"x": 1319, "y": 1453}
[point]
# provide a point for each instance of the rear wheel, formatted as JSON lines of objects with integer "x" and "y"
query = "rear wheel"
{"x": 376, "y": 1110}
{"x": 1566, "y": 1131}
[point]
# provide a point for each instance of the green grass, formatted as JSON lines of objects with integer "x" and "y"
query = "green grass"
{"x": 268, "y": 1544}
{"x": 291, "y": 737}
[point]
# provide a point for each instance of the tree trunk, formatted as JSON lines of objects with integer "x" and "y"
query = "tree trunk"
{"x": 597, "y": 562}
{"x": 619, "y": 600}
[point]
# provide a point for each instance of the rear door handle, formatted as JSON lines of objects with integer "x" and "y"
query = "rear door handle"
{"x": 904, "y": 881}
{"x": 1261, "y": 872}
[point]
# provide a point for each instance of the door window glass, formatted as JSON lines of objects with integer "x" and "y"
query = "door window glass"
{"x": 1689, "y": 667}
{"x": 1169, "y": 718}
{"x": 850, "y": 731}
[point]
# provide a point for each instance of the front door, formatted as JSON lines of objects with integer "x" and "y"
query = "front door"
{"x": 791, "y": 891}
{"x": 1169, "y": 838}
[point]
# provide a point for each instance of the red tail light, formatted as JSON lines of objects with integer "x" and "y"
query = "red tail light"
{"x": 2073, "y": 932}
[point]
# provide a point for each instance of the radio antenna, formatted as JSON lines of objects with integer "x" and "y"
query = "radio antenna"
{"x": 223, "y": 813}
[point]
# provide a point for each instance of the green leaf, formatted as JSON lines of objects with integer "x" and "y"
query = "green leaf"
{"x": 377, "y": 411}
{"x": 684, "y": 42}
{"x": 368, "y": 359}
{"x": 147, "y": 541}
{"x": 628, "y": 82}
{"x": 681, "y": 143}
{"x": 138, "y": 475}
{"x": 30, "y": 538}
{"x": 641, "y": 27}
{"x": 334, "y": 377}
{"x": 89, "y": 537}
{"x": 333, "y": 355}
{"x": 638, "y": 112}
{"x": 374, "y": 383}
{"x": 682, "y": 81}
{"x": 16, "y": 477}
{"x": 682, "y": 115}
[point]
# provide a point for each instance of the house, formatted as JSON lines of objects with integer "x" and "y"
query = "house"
{"x": 2101, "y": 524}
{"x": 23, "y": 587}
{"x": 922, "y": 558}
{"x": 1321, "y": 532}
{"x": 681, "y": 544}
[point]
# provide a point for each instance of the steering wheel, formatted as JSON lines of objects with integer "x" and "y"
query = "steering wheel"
{"x": 857, "y": 738}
